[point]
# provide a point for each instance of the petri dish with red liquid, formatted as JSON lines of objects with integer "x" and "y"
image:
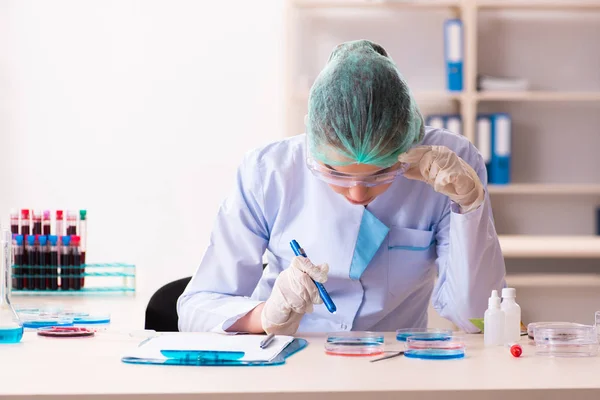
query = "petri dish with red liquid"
{"x": 65, "y": 331}
{"x": 354, "y": 344}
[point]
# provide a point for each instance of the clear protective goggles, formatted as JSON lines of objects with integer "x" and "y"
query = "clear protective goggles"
{"x": 338, "y": 178}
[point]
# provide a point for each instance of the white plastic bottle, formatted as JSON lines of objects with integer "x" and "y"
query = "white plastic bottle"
{"x": 512, "y": 316}
{"x": 493, "y": 322}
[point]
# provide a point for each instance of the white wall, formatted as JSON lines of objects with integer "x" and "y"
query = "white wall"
{"x": 138, "y": 111}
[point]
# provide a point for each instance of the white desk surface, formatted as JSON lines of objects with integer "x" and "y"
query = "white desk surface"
{"x": 90, "y": 368}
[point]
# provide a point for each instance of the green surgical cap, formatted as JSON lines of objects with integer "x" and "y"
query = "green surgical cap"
{"x": 360, "y": 109}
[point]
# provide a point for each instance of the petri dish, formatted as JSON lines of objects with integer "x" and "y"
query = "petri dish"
{"x": 65, "y": 331}
{"x": 88, "y": 319}
{"x": 531, "y": 327}
{"x": 423, "y": 347}
{"x": 431, "y": 333}
{"x": 354, "y": 344}
{"x": 565, "y": 340}
{"x": 41, "y": 322}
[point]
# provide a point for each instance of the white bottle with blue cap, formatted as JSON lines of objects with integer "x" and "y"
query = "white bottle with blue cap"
{"x": 493, "y": 322}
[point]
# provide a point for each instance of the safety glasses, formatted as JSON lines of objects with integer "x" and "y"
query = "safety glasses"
{"x": 337, "y": 178}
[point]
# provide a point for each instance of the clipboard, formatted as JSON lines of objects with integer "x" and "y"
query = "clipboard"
{"x": 218, "y": 359}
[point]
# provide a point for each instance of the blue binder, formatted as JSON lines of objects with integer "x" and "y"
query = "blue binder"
{"x": 453, "y": 46}
{"x": 435, "y": 121}
{"x": 484, "y": 142}
{"x": 501, "y": 149}
{"x": 212, "y": 359}
{"x": 453, "y": 124}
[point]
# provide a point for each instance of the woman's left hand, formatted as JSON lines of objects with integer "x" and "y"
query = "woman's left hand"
{"x": 446, "y": 172}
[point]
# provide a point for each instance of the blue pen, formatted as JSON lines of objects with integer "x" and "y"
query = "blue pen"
{"x": 299, "y": 251}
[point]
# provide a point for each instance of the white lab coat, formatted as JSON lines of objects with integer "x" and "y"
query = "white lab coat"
{"x": 276, "y": 199}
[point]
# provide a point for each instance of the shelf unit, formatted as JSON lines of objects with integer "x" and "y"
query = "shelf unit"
{"x": 468, "y": 101}
{"x": 521, "y": 246}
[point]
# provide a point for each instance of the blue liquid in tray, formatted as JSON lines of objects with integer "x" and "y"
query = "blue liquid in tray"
{"x": 423, "y": 336}
{"x": 11, "y": 335}
{"x": 435, "y": 354}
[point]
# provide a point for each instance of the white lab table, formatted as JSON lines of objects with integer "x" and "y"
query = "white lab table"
{"x": 90, "y": 368}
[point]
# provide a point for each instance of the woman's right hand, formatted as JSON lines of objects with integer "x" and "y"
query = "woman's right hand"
{"x": 293, "y": 295}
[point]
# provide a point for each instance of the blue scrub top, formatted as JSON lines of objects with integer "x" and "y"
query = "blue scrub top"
{"x": 277, "y": 199}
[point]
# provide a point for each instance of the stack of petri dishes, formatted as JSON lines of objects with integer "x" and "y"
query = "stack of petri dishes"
{"x": 434, "y": 346}
{"x": 354, "y": 344}
{"x": 565, "y": 340}
{"x": 432, "y": 333}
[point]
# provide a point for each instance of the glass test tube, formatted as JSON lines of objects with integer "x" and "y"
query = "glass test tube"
{"x": 14, "y": 221}
{"x": 25, "y": 223}
{"x": 60, "y": 227}
{"x": 18, "y": 261}
{"x": 71, "y": 223}
{"x": 38, "y": 270}
{"x": 37, "y": 222}
{"x": 76, "y": 263}
{"x": 83, "y": 236}
{"x": 31, "y": 262}
{"x": 53, "y": 262}
{"x": 65, "y": 264}
{"x": 44, "y": 276}
{"x": 46, "y": 223}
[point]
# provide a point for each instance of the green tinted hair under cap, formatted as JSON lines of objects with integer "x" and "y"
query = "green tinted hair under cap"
{"x": 360, "y": 109}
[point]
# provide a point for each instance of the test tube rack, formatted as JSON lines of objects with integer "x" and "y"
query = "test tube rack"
{"x": 100, "y": 279}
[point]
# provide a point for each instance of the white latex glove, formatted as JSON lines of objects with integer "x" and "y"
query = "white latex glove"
{"x": 293, "y": 295}
{"x": 446, "y": 172}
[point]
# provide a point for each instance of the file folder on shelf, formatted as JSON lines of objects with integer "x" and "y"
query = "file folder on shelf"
{"x": 484, "y": 142}
{"x": 501, "y": 149}
{"x": 435, "y": 121}
{"x": 454, "y": 124}
{"x": 453, "y": 46}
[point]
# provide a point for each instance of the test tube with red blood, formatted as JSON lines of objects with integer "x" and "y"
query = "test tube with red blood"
{"x": 31, "y": 262}
{"x": 71, "y": 223}
{"x": 37, "y": 269}
{"x": 65, "y": 263}
{"x": 18, "y": 262}
{"x": 83, "y": 235}
{"x": 53, "y": 262}
{"x": 37, "y": 222}
{"x": 76, "y": 263}
{"x": 25, "y": 223}
{"x": 43, "y": 272}
{"x": 46, "y": 223}
{"x": 14, "y": 221}
{"x": 60, "y": 227}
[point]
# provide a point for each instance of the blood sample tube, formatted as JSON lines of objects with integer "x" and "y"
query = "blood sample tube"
{"x": 46, "y": 223}
{"x": 76, "y": 263}
{"x": 60, "y": 227}
{"x": 44, "y": 275}
{"x": 18, "y": 253}
{"x": 14, "y": 221}
{"x": 71, "y": 223}
{"x": 37, "y": 222}
{"x": 31, "y": 262}
{"x": 83, "y": 236}
{"x": 25, "y": 224}
{"x": 38, "y": 269}
{"x": 53, "y": 262}
{"x": 65, "y": 264}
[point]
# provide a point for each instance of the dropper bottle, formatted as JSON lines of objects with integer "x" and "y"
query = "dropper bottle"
{"x": 493, "y": 322}
{"x": 11, "y": 327}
